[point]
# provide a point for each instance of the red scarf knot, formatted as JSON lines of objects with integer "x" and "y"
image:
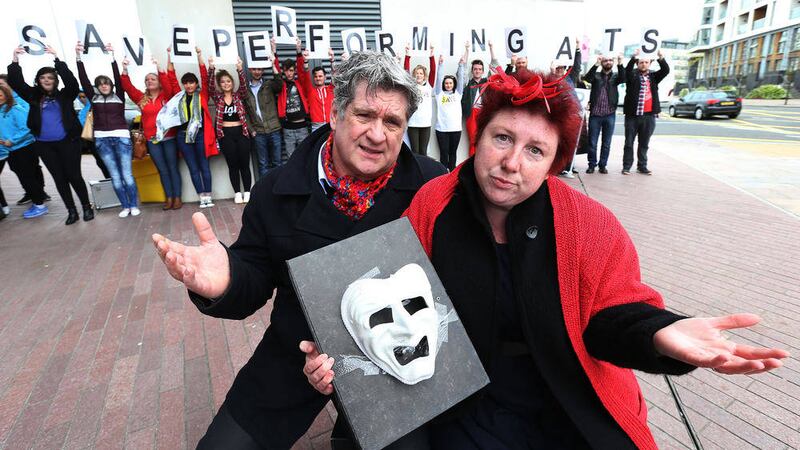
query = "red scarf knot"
{"x": 352, "y": 196}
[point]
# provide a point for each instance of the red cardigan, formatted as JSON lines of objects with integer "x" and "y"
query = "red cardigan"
{"x": 591, "y": 278}
{"x": 152, "y": 107}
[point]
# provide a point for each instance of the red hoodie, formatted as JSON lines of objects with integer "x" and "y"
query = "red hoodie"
{"x": 319, "y": 98}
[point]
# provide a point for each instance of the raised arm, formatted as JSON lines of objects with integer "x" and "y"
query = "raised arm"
{"x": 15, "y": 78}
{"x": 629, "y": 75}
{"x": 407, "y": 59}
{"x": 575, "y": 74}
{"x": 461, "y": 76}
{"x": 493, "y": 59}
{"x": 303, "y": 77}
{"x": 212, "y": 82}
{"x": 125, "y": 80}
{"x": 242, "y": 90}
{"x": 71, "y": 86}
{"x": 437, "y": 88}
{"x": 432, "y": 72}
{"x": 663, "y": 68}
{"x": 589, "y": 75}
{"x": 621, "y": 74}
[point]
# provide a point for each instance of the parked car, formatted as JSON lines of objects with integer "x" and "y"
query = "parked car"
{"x": 703, "y": 104}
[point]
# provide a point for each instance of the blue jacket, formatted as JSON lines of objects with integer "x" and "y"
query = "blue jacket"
{"x": 13, "y": 127}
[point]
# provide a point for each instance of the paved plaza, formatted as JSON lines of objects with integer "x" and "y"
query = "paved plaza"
{"x": 100, "y": 348}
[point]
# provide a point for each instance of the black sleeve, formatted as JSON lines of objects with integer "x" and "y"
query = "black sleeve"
{"x": 250, "y": 263}
{"x": 620, "y": 75}
{"x": 663, "y": 70}
{"x": 623, "y": 336}
{"x": 509, "y": 69}
{"x": 576, "y": 68}
{"x": 17, "y": 82}
{"x": 71, "y": 88}
{"x": 86, "y": 85}
{"x": 589, "y": 76}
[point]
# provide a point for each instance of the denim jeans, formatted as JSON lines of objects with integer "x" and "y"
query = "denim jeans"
{"x": 268, "y": 149}
{"x": 195, "y": 157}
{"x": 596, "y": 125}
{"x": 116, "y": 153}
{"x": 165, "y": 157}
{"x": 293, "y": 138}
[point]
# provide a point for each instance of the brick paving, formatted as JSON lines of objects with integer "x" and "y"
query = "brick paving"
{"x": 100, "y": 348}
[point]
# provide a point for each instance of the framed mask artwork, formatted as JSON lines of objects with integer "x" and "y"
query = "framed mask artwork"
{"x": 375, "y": 304}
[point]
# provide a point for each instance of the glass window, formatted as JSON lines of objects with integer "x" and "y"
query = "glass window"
{"x": 781, "y": 43}
{"x": 796, "y": 43}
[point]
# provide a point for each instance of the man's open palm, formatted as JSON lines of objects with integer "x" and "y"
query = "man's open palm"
{"x": 203, "y": 268}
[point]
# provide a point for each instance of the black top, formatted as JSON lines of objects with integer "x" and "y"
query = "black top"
{"x": 230, "y": 113}
{"x": 189, "y": 98}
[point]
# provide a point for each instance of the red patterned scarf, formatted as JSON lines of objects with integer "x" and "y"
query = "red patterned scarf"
{"x": 351, "y": 195}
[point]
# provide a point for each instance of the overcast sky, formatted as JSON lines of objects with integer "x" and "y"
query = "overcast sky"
{"x": 676, "y": 18}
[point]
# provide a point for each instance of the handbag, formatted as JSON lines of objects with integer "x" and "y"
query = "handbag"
{"x": 139, "y": 143}
{"x": 88, "y": 127}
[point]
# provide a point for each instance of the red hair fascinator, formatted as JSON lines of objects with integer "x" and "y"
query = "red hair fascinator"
{"x": 520, "y": 94}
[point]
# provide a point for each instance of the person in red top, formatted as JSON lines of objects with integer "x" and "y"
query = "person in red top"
{"x": 557, "y": 320}
{"x": 159, "y": 88}
{"x": 292, "y": 101}
{"x": 319, "y": 96}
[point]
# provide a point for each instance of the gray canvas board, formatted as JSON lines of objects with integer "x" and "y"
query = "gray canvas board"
{"x": 379, "y": 408}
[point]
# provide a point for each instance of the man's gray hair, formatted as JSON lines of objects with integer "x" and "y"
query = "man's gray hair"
{"x": 378, "y": 71}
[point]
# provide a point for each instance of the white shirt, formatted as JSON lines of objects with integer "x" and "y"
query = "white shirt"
{"x": 423, "y": 116}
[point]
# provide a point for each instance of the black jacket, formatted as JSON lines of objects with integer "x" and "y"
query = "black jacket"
{"x": 633, "y": 84}
{"x": 470, "y": 92}
{"x": 289, "y": 215}
{"x": 33, "y": 95}
{"x": 598, "y": 81}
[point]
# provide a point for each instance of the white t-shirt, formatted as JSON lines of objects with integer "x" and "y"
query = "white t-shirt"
{"x": 448, "y": 111}
{"x": 448, "y": 104}
{"x": 423, "y": 116}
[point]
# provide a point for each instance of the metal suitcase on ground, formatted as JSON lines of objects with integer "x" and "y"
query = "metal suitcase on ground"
{"x": 103, "y": 195}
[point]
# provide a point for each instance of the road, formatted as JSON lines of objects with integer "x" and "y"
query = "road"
{"x": 773, "y": 123}
{"x": 757, "y": 153}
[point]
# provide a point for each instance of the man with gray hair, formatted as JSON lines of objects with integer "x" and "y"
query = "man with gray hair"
{"x": 345, "y": 178}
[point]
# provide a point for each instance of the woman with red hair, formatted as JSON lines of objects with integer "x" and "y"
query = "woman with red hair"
{"x": 557, "y": 320}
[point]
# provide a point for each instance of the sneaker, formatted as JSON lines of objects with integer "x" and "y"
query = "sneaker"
{"x": 135, "y": 211}
{"x": 24, "y": 200}
{"x": 203, "y": 202}
{"x": 238, "y": 199}
{"x": 35, "y": 211}
{"x": 590, "y": 170}
{"x": 246, "y": 197}
{"x": 567, "y": 174}
{"x": 603, "y": 170}
{"x": 125, "y": 212}
{"x": 6, "y": 210}
{"x": 626, "y": 171}
{"x": 644, "y": 171}
{"x": 209, "y": 202}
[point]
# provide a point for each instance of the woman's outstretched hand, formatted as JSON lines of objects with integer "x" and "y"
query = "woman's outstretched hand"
{"x": 700, "y": 342}
{"x": 317, "y": 368}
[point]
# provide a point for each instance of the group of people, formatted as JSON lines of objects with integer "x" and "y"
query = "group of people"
{"x": 269, "y": 116}
{"x": 557, "y": 321}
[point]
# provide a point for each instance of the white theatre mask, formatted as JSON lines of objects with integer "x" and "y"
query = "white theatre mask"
{"x": 394, "y": 322}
